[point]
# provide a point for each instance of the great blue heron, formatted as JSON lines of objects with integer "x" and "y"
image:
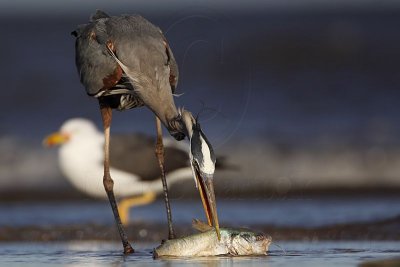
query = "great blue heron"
{"x": 126, "y": 62}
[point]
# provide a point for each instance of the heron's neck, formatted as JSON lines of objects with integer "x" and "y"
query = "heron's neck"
{"x": 179, "y": 123}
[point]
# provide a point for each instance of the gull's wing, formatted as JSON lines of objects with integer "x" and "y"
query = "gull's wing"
{"x": 135, "y": 153}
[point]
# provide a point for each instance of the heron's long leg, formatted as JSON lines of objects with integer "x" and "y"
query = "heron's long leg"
{"x": 106, "y": 115}
{"x": 160, "y": 157}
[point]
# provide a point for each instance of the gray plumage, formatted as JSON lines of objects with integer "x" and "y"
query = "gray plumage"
{"x": 127, "y": 62}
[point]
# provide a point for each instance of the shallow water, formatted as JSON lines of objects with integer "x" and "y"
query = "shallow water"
{"x": 308, "y": 212}
{"x": 292, "y": 212}
{"x": 109, "y": 254}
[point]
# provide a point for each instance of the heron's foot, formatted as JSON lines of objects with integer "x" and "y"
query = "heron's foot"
{"x": 126, "y": 204}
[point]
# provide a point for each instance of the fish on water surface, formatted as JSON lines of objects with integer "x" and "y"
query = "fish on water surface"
{"x": 235, "y": 242}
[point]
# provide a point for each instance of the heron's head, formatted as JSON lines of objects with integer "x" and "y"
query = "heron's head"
{"x": 202, "y": 160}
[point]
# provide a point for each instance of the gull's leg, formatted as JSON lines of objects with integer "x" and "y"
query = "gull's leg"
{"x": 126, "y": 204}
{"x": 160, "y": 157}
{"x": 106, "y": 115}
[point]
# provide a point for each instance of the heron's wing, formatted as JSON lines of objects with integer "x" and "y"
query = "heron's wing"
{"x": 136, "y": 154}
{"x": 98, "y": 71}
{"x": 174, "y": 72}
{"x": 140, "y": 50}
{"x": 128, "y": 55}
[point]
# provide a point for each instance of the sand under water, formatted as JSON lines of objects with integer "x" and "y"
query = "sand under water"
{"x": 297, "y": 218}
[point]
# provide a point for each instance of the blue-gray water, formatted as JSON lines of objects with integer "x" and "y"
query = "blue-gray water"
{"x": 303, "y": 212}
{"x": 109, "y": 254}
{"x": 300, "y": 212}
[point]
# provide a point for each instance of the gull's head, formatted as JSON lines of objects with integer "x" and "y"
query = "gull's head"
{"x": 70, "y": 130}
{"x": 202, "y": 160}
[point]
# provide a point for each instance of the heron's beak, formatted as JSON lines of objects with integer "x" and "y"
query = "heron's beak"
{"x": 206, "y": 189}
{"x": 55, "y": 139}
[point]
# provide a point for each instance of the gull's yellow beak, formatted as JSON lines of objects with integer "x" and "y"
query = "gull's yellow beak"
{"x": 55, "y": 139}
{"x": 207, "y": 195}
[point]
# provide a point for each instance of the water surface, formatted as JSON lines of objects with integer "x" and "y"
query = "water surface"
{"x": 109, "y": 254}
{"x": 299, "y": 211}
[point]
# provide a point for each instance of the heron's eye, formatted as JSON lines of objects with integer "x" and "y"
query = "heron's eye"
{"x": 178, "y": 136}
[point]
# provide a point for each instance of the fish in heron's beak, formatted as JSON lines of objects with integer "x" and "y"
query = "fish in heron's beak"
{"x": 202, "y": 159}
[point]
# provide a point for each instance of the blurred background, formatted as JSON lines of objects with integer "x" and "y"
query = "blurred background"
{"x": 299, "y": 96}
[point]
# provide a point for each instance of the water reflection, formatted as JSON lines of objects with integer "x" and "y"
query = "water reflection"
{"x": 110, "y": 254}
